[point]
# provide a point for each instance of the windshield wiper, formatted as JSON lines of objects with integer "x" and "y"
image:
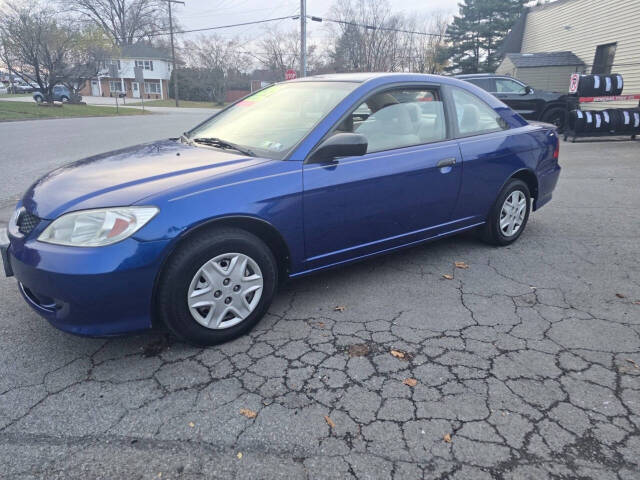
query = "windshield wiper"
{"x": 217, "y": 142}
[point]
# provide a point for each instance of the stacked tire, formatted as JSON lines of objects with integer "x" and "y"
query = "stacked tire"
{"x": 600, "y": 85}
{"x": 613, "y": 120}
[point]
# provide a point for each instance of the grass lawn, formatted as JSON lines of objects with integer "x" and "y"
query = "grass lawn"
{"x": 14, "y": 95}
{"x": 172, "y": 103}
{"x": 31, "y": 111}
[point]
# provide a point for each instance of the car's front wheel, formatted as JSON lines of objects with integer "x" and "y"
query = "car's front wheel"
{"x": 64, "y": 99}
{"x": 216, "y": 286}
{"x": 509, "y": 214}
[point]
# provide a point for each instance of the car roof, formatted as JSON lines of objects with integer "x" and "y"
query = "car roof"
{"x": 361, "y": 77}
{"x": 483, "y": 75}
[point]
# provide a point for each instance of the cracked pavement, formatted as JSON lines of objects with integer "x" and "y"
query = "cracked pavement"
{"x": 528, "y": 361}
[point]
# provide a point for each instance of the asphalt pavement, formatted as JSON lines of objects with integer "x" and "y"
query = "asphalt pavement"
{"x": 523, "y": 365}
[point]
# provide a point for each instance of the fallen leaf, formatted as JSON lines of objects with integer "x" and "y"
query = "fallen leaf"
{"x": 239, "y": 455}
{"x": 191, "y": 424}
{"x": 412, "y": 382}
{"x": 248, "y": 413}
{"x": 397, "y": 353}
{"x": 619, "y": 295}
{"x": 632, "y": 362}
{"x": 461, "y": 265}
{"x": 329, "y": 421}
{"x": 447, "y": 437}
{"x": 447, "y": 276}
{"x": 358, "y": 350}
{"x": 339, "y": 308}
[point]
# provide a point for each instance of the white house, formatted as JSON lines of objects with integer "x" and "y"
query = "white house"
{"x": 156, "y": 65}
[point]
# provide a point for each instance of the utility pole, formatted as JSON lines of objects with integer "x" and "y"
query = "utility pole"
{"x": 173, "y": 52}
{"x": 303, "y": 38}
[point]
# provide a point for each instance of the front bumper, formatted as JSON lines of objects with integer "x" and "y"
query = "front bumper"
{"x": 88, "y": 291}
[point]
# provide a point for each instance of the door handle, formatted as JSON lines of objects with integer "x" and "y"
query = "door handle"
{"x": 447, "y": 162}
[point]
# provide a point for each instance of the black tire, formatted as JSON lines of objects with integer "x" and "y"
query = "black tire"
{"x": 176, "y": 276}
{"x": 64, "y": 99}
{"x": 38, "y": 98}
{"x": 492, "y": 232}
{"x": 556, "y": 116}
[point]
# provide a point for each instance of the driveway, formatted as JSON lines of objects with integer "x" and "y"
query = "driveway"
{"x": 525, "y": 364}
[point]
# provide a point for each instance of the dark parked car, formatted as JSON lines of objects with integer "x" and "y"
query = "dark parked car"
{"x": 60, "y": 94}
{"x": 532, "y": 104}
{"x": 196, "y": 232}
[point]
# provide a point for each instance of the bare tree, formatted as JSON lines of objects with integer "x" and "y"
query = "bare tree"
{"x": 218, "y": 58}
{"x": 124, "y": 21}
{"x": 36, "y": 46}
{"x": 370, "y": 37}
{"x": 281, "y": 51}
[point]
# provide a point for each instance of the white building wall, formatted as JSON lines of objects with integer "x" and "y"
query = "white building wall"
{"x": 582, "y": 25}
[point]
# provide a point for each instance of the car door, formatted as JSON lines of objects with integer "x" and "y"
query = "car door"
{"x": 403, "y": 189}
{"x": 514, "y": 94}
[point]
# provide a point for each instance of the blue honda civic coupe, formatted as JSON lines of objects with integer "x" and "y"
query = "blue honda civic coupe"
{"x": 195, "y": 233}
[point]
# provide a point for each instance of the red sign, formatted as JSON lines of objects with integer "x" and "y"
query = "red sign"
{"x": 290, "y": 74}
{"x": 573, "y": 86}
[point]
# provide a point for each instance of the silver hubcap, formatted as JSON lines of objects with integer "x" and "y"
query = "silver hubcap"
{"x": 225, "y": 290}
{"x": 512, "y": 214}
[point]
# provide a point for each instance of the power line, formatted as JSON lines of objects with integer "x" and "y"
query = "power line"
{"x": 224, "y": 26}
{"x": 372, "y": 27}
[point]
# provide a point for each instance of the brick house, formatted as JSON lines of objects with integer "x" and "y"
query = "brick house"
{"x": 156, "y": 65}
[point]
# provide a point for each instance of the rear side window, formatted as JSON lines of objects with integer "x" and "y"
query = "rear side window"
{"x": 473, "y": 116}
{"x": 398, "y": 118}
{"x": 484, "y": 83}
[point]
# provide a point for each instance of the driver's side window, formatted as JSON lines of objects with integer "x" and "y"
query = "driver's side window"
{"x": 398, "y": 118}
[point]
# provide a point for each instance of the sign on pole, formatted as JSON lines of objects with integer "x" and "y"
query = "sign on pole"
{"x": 575, "y": 79}
{"x": 290, "y": 74}
{"x": 138, "y": 72}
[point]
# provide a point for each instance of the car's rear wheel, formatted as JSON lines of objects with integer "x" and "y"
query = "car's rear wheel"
{"x": 64, "y": 99}
{"x": 509, "y": 214}
{"x": 557, "y": 117}
{"x": 38, "y": 98}
{"x": 216, "y": 286}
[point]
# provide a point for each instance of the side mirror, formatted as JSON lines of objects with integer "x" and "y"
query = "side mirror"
{"x": 340, "y": 145}
{"x": 528, "y": 90}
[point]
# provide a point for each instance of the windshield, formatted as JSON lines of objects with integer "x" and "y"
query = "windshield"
{"x": 272, "y": 121}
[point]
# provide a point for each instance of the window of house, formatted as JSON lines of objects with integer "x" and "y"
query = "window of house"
{"x": 145, "y": 64}
{"x": 603, "y": 60}
{"x": 152, "y": 87}
{"x": 398, "y": 118}
{"x": 504, "y": 85}
{"x": 105, "y": 64}
{"x": 115, "y": 86}
{"x": 473, "y": 115}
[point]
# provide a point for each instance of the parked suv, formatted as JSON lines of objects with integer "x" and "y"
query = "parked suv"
{"x": 550, "y": 107}
{"x": 60, "y": 94}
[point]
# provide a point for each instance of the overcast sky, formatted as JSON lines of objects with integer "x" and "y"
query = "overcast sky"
{"x": 209, "y": 13}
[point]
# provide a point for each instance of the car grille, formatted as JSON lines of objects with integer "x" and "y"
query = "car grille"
{"x": 27, "y": 222}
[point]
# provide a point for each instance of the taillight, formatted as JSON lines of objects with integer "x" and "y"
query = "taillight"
{"x": 556, "y": 152}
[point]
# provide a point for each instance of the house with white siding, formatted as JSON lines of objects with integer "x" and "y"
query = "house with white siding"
{"x": 156, "y": 67}
{"x": 603, "y": 34}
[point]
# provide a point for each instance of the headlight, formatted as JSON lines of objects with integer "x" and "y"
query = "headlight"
{"x": 96, "y": 228}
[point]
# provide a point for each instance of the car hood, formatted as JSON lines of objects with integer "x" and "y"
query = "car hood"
{"x": 125, "y": 176}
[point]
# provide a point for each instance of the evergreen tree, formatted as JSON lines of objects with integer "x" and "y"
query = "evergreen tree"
{"x": 477, "y": 32}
